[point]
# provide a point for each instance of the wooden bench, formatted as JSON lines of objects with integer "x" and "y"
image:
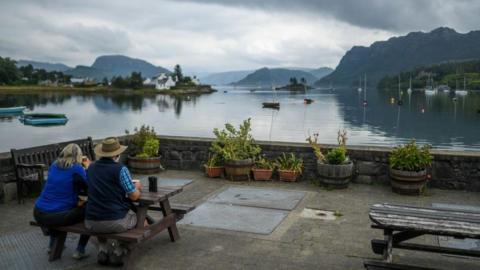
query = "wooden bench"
{"x": 376, "y": 265}
{"x": 171, "y": 214}
{"x": 31, "y": 164}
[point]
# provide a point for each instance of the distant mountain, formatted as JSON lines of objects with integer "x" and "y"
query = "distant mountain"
{"x": 43, "y": 65}
{"x": 321, "y": 72}
{"x": 116, "y": 65}
{"x": 224, "y": 78}
{"x": 275, "y": 76}
{"x": 401, "y": 53}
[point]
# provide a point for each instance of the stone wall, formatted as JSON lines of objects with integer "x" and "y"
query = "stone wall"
{"x": 450, "y": 170}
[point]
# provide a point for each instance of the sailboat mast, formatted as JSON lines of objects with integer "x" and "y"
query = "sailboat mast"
{"x": 365, "y": 92}
{"x": 464, "y": 83}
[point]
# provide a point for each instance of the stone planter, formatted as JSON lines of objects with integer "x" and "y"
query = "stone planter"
{"x": 288, "y": 176}
{"x": 407, "y": 182}
{"x": 235, "y": 169}
{"x": 335, "y": 176}
{"x": 214, "y": 172}
{"x": 144, "y": 165}
{"x": 262, "y": 174}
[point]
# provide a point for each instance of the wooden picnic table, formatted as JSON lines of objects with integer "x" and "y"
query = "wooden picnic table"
{"x": 405, "y": 222}
{"x": 154, "y": 201}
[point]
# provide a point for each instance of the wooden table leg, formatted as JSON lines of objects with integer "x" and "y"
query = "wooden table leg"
{"x": 130, "y": 257}
{"x": 141, "y": 215}
{"x": 172, "y": 230}
{"x": 387, "y": 252}
{"x": 58, "y": 245}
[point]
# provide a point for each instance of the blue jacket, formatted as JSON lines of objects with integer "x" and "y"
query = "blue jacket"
{"x": 61, "y": 190}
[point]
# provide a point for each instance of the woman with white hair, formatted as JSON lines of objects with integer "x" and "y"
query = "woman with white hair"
{"x": 58, "y": 203}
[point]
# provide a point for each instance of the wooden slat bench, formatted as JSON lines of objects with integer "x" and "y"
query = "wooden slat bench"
{"x": 376, "y": 265}
{"x": 31, "y": 164}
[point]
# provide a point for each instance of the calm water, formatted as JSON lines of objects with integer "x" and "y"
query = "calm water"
{"x": 439, "y": 120}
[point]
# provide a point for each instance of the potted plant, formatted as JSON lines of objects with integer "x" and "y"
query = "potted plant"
{"x": 144, "y": 157}
{"x": 408, "y": 168}
{"x": 237, "y": 148}
{"x": 214, "y": 167}
{"x": 263, "y": 169}
{"x": 289, "y": 167}
{"x": 335, "y": 169}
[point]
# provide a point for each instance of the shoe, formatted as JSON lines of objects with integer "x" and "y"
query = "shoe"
{"x": 116, "y": 260}
{"x": 77, "y": 255}
{"x": 102, "y": 258}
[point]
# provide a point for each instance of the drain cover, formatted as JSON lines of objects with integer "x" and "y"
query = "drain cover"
{"x": 318, "y": 214}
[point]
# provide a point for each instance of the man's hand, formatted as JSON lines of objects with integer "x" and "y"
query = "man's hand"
{"x": 136, "y": 194}
{"x": 137, "y": 184}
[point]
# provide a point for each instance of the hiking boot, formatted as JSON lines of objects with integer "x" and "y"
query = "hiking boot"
{"x": 102, "y": 258}
{"x": 77, "y": 255}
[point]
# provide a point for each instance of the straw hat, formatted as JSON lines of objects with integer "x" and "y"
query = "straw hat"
{"x": 110, "y": 147}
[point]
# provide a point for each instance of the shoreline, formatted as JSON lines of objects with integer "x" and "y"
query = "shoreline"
{"x": 104, "y": 89}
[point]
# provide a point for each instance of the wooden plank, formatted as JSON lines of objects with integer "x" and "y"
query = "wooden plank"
{"x": 433, "y": 214}
{"x": 437, "y": 249}
{"x": 167, "y": 212}
{"x": 161, "y": 225}
{"x": 376, "y": 265}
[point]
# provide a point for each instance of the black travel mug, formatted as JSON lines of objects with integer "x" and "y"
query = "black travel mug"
{"x": 152, "y": 184}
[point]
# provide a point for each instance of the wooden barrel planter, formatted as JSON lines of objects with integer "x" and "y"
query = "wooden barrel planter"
{"x": 235, "y": 169}
{"x": 408, "y": 182}
{"x": 262, "y": 174}
{"x": 144, "y": 165}
{"x": 287, "y": 176}
{"x": 335, "y": 176}
{"x": 214, "y": 172}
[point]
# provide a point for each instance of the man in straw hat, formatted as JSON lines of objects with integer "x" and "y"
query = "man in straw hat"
{"x": 110, "y": 192}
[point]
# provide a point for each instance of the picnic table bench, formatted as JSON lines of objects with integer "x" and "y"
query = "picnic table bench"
{"x": 155, "y": 201}
{"x": 401, "y": 223}
{"x": 31, "y": 164}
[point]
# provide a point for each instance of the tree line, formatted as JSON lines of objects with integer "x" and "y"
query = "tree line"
{"x": 10, "y": 74}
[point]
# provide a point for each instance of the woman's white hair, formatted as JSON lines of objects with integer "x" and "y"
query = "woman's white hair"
{"x": 71, "y": 154}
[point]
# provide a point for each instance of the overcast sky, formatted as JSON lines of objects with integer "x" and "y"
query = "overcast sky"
{"x": 217, "y": 35}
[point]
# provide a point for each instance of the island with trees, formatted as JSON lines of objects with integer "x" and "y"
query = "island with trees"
{"x": 295, "y": 85}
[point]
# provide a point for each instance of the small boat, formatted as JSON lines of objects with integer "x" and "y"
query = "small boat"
{"x": 271, "y": 105}
{"x": 252, "y": 90}
{"x": 307, "y": 100}
{"x": 37, "y": 119}
{"x": 409, "y": 90}
{"x": 225, "y": 91}
{"x": 360, "y": 85}
{"x": 18, "y": 109}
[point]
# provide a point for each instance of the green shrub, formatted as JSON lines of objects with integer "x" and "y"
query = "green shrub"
{"x": 265, "y": 164}
{"x": 213, "y": 161}
{"x": 142, "y": 144}
{"x": 336, "y": 156}
{"x": 289, "y": 163}
{"x": 410, "y": 157}
{"x": 233, "y": 144}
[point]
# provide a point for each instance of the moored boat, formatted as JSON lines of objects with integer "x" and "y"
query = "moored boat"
{"x": 272, "y": 105}
{"x": 18, "y": 109}
{"x": 307, "y": 100}
{"x": 37, "y": 119}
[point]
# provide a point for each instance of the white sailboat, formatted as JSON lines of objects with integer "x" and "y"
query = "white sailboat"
{"x": 365, "y": 102}
{"x": 429, "y": 90}
{"x": 463, "y": 92}
{"x": 409, "y": 90}
{"x": 360, "y": 84}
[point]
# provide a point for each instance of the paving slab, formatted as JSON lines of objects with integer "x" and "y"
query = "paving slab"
{"x": 235, "y": 218}
{"x": 259, "y": 197}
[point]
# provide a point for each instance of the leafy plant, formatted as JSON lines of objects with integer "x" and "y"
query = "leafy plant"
{"x": 143, "y": 144}
{"x": 410, "y": 157}
{"x": 213, "y": 161}
{"x": 235, "y": 144}
{"x": 265, "y": 164}
{"x": 290, "y": 163}
{"x": 336, "y": 156}
{"x": 316, "y": 147}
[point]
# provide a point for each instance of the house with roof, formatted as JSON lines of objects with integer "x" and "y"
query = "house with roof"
{"x": 161, "y": 82}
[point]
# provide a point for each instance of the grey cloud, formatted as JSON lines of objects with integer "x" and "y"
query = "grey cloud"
{"x": 390, "y": 15}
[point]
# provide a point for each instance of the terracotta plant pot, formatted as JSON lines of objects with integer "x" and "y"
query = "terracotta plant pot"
{"x": 235, "y": 169}
{"x": 288, "y": 176}
{"x": 262, "y": 174}
{"x": 144, "y": 165}
{"x": 335, "y": 176}
{"x": 214, "y": 172}
{"x": 407, "y": 182}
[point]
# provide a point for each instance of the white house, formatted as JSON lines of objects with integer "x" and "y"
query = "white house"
{"x": 195, "y": 80}
{"x": 164, "y": 83}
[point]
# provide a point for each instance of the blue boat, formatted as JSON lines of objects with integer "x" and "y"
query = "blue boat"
{"x": 8, "y": 110}
{"x": 43, "y": 119}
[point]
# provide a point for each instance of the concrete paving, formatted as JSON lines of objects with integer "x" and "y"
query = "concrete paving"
{"x": 296, "y": 243}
